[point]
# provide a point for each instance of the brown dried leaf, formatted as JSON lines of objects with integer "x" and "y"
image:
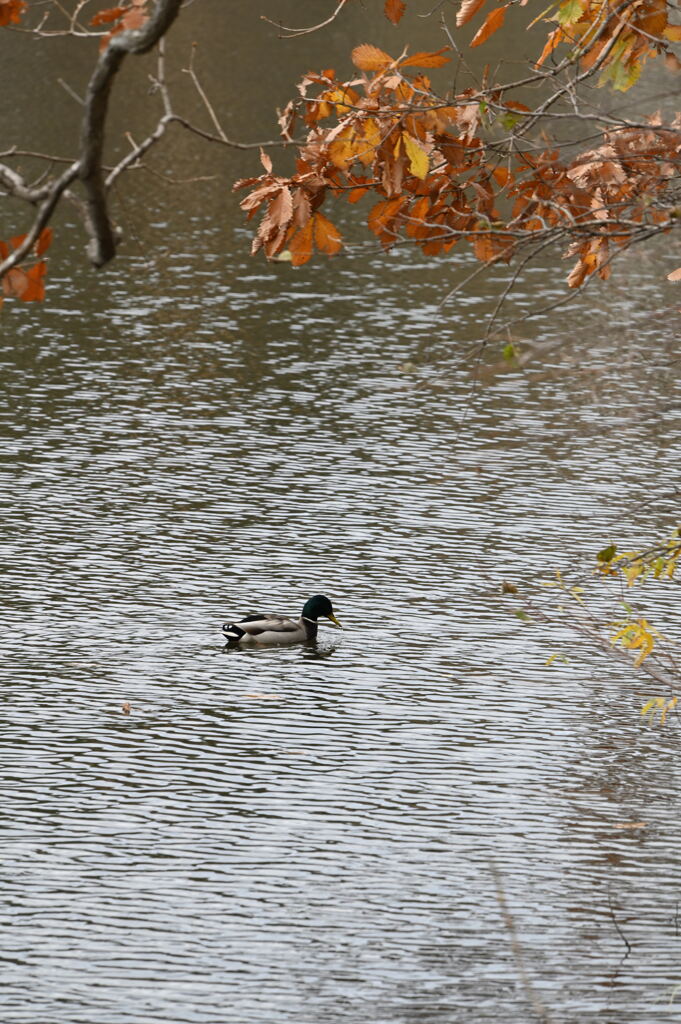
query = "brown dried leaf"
{"x": 259, "y": 195}
{"x": 301, "y": 209}
{"x": 469, "y": 118}
{"x": 281, "y": 208}
{"x": 582, "y": 269}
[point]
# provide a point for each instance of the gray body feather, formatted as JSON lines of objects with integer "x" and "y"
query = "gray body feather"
{"x": 270, "y": 628}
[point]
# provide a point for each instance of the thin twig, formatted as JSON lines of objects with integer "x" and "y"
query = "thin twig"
{"x": 535, "y": 1002}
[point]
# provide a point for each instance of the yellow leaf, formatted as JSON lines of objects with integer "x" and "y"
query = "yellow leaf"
{"x": 418, "y": 158}
{"x": 372, "y": 138}
{"x": 346, "y": 148}
{"x": 341, "y": 98}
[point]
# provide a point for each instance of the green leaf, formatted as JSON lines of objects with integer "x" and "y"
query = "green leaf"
{"x": 569, "y": 12}
{"x": 509, "y": 121}
{"x": 509, "y": 351}
{"x": 607, "y": 554}
{"x": 520, "y": 614}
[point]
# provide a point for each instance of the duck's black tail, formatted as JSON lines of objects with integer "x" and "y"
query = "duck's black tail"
{"x": 233, "y": 632}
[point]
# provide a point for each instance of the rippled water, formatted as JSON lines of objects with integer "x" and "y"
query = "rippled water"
{"x": 327, "y": 833}
{"x": 319, "y": 833}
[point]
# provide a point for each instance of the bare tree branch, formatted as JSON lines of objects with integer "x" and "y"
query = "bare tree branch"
{"x": 102, "y": 246}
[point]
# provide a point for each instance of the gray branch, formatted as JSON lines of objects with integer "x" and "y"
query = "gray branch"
{"x": 102, "y": 246}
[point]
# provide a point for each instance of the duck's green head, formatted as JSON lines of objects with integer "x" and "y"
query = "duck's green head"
{"x": 320, "y": 606}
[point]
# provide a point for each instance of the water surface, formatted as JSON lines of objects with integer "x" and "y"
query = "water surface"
{"x": 326, "y": 833}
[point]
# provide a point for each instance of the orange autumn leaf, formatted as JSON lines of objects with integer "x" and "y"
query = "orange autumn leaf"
{"x": 11, "y": 11}
{"x": 502, "y": 175}
{"x": 416, "y": 225}
{"x": 422, "y": 59}
{"x": 468, "y": 9}
{"x": 107, "y": 17}
{"x": 488, "y": 248}
{"x": 22, "y": 283}
{"x": 369, "y": 58}
{"x": 300, "y": 245}
{"x": 122, "y": 19}
{"x": 44, "y": 241}
{"x": 675, "y": 275}
{"x": 28, "y": 285}
{"x": 382, "y": 217}
{"x": 554, "y": 38}
{"x": 35, "y": 292}
{"x": 327, "y": 237}
{"x": 393, "y": 10}
{"x": 493, "y": 21}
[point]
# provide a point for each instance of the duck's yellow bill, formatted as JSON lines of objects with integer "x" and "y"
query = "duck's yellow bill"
{"x": 334, "y": 620}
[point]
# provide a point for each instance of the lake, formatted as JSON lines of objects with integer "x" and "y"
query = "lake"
{"x": 414, "y": 821}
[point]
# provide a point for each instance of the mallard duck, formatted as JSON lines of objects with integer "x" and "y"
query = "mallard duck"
{"x": 269, "y": 628}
